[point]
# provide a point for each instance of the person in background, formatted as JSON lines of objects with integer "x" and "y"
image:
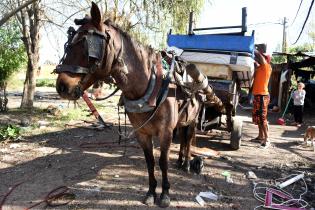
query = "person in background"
{"x": 260, "y": 92}
{"x": 298, "y": 102}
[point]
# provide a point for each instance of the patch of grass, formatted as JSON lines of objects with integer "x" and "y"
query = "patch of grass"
{"x": 69, "y": 114}
{"x": 44, "y": 78}
{"x": 25, "y": 112}
{"x": 45, "y": 83}
{"x": 15, "y": 83}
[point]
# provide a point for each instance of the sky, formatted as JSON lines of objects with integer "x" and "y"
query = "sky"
{"x": 263, "y": 16}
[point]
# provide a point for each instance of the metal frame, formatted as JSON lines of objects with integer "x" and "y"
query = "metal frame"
{"x": 243, "y": 26}
{"x": 236, "y": 83}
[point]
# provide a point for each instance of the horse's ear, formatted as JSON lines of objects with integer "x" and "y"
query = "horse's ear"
{"x": 96, "y": 15}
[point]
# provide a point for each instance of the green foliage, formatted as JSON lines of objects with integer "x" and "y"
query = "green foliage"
{"x": 306, "y": 47}
{"x": 276, "y": 59}
{"x": 12, "y": 53}
{"x": 179, "y": 11}
{"x": 45, "y": 83}
{"x": 9, "y": 132}
{"x": 149, "y": 21}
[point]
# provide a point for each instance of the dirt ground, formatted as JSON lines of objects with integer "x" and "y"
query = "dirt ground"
{"x": 115, "y": 177}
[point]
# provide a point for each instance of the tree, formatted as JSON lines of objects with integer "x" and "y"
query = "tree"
{"x": 29, "y": 19}
{"x": 306, "y": 47}
{"x": 7, "y": 16}
{"x": 148, "y": 20}
{"x": 12, "y": 56}
{"x": 30, "y": 24}
{"x": 144, "y": 19}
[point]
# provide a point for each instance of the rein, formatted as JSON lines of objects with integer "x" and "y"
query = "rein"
{"x": 93, "y": 109}
{"x": 107, "y": 97}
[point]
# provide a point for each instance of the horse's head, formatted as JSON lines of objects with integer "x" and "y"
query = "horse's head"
{"x": 85, "y": 59}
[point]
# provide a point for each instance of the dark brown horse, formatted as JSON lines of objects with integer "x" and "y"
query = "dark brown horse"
{"x": 98, "y": 50}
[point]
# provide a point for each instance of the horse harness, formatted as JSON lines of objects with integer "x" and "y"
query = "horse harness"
{"x": 92, "y": 39}
{"x": 157, "y": 90}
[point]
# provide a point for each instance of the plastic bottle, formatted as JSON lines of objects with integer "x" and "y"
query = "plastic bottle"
{"x": 290, "y": 181}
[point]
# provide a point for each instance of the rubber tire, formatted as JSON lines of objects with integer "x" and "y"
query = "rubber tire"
{"x": 236, "y": 133}
{"x": 235, "y": 98}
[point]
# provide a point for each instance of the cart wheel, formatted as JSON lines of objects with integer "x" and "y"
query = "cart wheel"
{"x": 235, "y": 91}
{"x": 236, "y": 134}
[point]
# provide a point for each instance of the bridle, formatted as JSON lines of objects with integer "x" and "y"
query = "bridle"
{"x": 99, "y": 47}
{"x": 94, "y": 46}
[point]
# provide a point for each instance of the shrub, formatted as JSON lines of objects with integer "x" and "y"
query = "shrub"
{"x": 9, "y": 132}
{"x": 45, "y": 83}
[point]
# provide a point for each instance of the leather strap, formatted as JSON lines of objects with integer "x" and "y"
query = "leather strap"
{"x": 158, "y": 84}
{"x": 72, "y": 69}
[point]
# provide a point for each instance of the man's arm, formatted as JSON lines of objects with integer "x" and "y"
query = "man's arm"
{"x": 259, "y": 58}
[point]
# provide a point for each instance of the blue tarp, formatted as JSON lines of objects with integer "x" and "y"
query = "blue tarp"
{"x": 212, "y": 42}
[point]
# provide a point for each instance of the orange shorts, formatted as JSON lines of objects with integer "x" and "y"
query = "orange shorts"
{"x": 260, "y": 109}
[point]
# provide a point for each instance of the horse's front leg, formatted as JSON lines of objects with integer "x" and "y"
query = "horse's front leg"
{"x": 165, "y": 138}
{"x": 145, "y": 142}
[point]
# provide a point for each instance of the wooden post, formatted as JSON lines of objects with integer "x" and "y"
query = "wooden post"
{"x": 244, "y": 20}
{"x": 284, "y": 36}
{"x": 190, "y": 27}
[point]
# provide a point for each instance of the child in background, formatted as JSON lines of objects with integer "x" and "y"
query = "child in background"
{"x": 298, "y": 101}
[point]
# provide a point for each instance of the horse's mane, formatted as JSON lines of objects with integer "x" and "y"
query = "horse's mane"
{"x": 109, "y": 22}
{"x": 135, "y": 43}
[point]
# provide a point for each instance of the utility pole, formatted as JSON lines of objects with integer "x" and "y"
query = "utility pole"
{"x": 284, "y": 36}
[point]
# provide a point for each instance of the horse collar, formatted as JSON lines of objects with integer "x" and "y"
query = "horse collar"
{"x": 155, "y": 94}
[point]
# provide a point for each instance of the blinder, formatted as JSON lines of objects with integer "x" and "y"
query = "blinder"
{"x": 94, "y": 40}
{"x": 94, "y": 47}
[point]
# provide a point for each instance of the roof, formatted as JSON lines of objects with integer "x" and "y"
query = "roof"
{"x": 303, "y": 54}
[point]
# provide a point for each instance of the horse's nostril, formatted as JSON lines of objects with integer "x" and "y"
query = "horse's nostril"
{"x": 62, "y": 88}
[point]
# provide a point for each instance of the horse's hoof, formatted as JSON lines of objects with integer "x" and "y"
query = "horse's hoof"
{"x": 165, "y": 201}
{"x": 149, "y": 199}
{"x": 186, "y": 167}
{"x": 196, "y": 165}
{"x": 179, "y": 164}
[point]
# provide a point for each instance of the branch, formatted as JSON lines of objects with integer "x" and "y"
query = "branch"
{"x": 14, "y": 11}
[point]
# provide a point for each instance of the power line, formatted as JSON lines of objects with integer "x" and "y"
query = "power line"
{"x": 297, "y": 12}
{"x": 308, "y": 14}
{"x": 264, "y": 23}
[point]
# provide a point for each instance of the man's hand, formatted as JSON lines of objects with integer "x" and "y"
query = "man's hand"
{"x": 259, "y": 58}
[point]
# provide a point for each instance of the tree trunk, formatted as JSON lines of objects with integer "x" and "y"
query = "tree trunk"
{"x": 3, "y": 97}
{"x": 31, "y": 23}
{"x": 29, "y": 85}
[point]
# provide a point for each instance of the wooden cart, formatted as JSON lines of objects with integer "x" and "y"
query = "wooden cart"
{"x": 227, "y": 60}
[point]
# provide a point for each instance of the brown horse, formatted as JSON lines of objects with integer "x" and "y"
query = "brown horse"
{"x": 98, "y": 50}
